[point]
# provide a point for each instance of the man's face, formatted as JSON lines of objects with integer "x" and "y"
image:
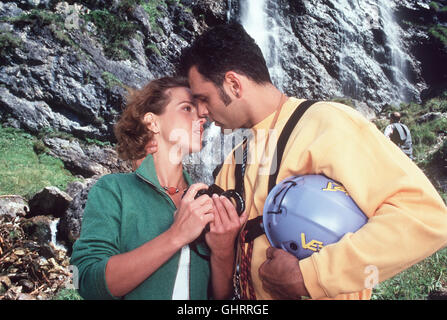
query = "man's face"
{"x": 209, "y": 101}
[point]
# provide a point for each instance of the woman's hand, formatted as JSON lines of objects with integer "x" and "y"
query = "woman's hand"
{"x": 192, "y": 215}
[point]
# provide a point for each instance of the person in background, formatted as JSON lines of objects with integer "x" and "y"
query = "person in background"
{"x": 139, "y": 229}
{"x": 399, "y": 134}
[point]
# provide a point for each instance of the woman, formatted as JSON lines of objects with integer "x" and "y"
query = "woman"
{"x": 137, "y": 226}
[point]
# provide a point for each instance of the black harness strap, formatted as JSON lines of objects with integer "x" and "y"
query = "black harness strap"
{"x": 284, "y": 138}
{"x": 254, "y": 226}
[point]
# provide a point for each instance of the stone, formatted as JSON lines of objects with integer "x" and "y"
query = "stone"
{"x": 69, "y": 226}
{"x": 49, "y": 201}
{"x": 27, "y": 286}
{"x": 429, "y": 117}
{"x": 13, "y": 205}
{"x": 47, "y": 251}
{"x": 38, "y": 229}
{"x": 86, "y": 160}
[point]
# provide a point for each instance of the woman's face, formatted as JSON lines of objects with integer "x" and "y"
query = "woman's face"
{"x": 180, "y": 126}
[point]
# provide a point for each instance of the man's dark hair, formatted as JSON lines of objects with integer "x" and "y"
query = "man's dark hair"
{"x": 224, "y": 48}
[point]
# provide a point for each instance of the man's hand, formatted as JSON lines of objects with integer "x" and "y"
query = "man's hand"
{"x": 221, "y": 238}
{"x": 281, "y": 275}
{"x": 225, "y": 227}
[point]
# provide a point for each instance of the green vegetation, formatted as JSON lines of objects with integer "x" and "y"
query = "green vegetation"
{"x": 114, "y": 32}
{"x": 438, "y": 7}
{"x": 8, "y": 42}
{"x": 40, "y": 17}
{"x": 24, "y": 172}
{"x": 439, "y": 32}
{"x": 67, "y": 294}
{"x": 111, "y": 80}
{"x": 424, "y": 133}
{"x": 417, "y": 281}
{"x": 153, "y": 47}
{"x": 154, "y": 13}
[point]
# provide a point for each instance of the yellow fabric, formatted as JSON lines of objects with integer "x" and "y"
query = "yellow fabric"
{"x": 407, "y": 217}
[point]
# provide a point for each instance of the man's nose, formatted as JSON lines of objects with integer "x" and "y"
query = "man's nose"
{"x": 202, "y": 111}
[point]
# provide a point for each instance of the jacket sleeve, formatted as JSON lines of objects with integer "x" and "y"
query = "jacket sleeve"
{"x": 407, "y": 217}
{"x": 99, "y": 240}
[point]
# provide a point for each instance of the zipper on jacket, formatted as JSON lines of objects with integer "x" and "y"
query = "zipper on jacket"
{"x": 157, "y": 189}
{"x": 178, "y": 265}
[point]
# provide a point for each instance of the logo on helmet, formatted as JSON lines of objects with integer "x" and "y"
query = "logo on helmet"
{"x": 313, "y": 245}
{"x": 332, "y": 186}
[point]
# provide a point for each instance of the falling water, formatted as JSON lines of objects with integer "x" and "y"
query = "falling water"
{"x": 264, "y": 29}
{"x": 394, "y": 43}
{"x": 53, "y": 228}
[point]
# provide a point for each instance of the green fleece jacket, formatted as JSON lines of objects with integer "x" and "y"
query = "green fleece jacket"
{"x": 124, "y": 211}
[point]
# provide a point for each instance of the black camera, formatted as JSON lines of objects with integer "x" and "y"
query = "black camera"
{"x": 234, "y": 196}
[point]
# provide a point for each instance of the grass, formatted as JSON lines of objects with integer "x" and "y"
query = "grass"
{"x": 114, "y": 32}
{"x": 24, "y": 172}
{"x": 111, "y": 80}
{"x": 8, "y": 42}
{"x": 67, "y": 294}
{"x": 424, "y": 134}
{"x": 439, "y": 32}
{"x": 416, "y": 282}
{"x": 151, "y": 8}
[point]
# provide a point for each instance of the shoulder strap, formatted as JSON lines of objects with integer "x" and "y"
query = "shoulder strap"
{"x": 254, "y": 226}
{"x": 284, "y": 138}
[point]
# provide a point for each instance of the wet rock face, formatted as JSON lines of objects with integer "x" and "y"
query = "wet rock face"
{"x": 58, "y": 75}
{"x": 377, "y": 52}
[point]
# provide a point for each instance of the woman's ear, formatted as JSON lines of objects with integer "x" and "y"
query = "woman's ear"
{"x": 150, "y": 120}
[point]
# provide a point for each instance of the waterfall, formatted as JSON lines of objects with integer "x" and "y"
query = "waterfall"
{"x": 394, "y": 43}
{"x": 348, "y": 77}
{"x": 356, "y": 19}
{"x": 201, "y": 164}
{"x": 264, "y": 30}
{"x": 53, "y": 228}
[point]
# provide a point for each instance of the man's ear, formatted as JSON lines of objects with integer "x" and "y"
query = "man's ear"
{"x": 150, "y": 120}
{"x": 233, "y": 82}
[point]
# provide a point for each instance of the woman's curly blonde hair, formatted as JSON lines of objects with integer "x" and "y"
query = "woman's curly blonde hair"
{"x": 131, "y": 132}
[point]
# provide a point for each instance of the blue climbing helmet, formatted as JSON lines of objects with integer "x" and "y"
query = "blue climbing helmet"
{"x": 302, "y": 214}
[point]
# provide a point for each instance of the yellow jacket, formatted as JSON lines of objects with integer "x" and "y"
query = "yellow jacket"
{"x": 407, "y": 217}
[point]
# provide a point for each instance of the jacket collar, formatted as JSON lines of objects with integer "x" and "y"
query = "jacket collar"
{"x": 147, "y": 172}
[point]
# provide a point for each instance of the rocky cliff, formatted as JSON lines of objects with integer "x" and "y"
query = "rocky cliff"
{"x": 65, "y": 67}
{"x": 378, "y": 52}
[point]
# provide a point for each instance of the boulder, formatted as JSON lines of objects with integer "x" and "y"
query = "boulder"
{"x": 86, "y": 159}
{"x": 38, "y": 229}
{"x": 13, "y": 205}
{"x": 49, "y": 201}
{"x": 69, "y": 226}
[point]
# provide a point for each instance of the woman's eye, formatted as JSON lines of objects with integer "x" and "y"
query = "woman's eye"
{"x": 187, "y": 108}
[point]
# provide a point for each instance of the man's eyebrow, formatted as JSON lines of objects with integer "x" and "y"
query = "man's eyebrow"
{"x": 198, "y": 96}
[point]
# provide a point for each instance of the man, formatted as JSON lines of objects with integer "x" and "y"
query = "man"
{"x": 407, "y": 218}
{"x": 399, "y": 134}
